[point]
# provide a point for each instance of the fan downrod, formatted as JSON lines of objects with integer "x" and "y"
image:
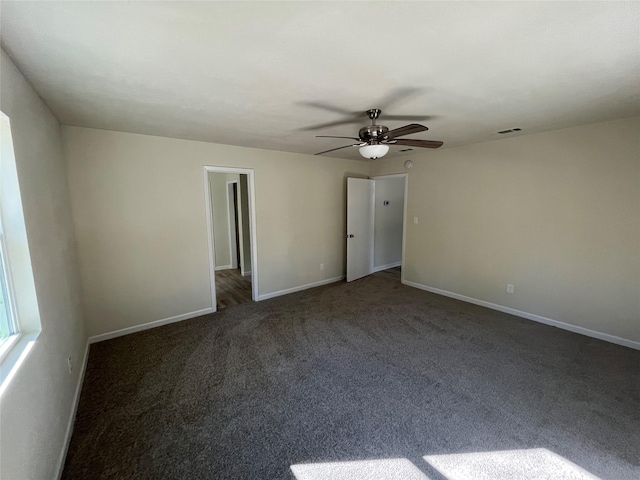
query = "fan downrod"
{"x": 373, "y": 114}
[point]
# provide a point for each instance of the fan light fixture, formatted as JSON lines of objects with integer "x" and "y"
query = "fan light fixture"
{"x": 374, "y": 151}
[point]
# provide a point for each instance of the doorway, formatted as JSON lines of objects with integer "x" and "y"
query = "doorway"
{"x": 376, "y": 225}
{"x": 231, "y": 232}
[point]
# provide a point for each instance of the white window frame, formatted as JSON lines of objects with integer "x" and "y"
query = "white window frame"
{"x": 9, "y": 298}
{"x": 17, "y": 270}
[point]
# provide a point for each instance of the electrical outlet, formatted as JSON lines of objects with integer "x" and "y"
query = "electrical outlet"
{"x": 69, "y": 366}
{"x": 415, "y": 220}
{"x": 322, "y": 266}
{"x": 509, "y": 288}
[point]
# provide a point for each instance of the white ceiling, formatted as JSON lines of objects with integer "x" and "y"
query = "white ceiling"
{"x": 241, "y": 73}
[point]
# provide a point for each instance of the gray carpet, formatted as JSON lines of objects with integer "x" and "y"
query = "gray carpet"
{"x": 367, "y": 371}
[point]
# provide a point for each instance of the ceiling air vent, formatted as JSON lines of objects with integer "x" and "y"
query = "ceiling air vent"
{"x": 406, "y": 150}
{"x": 511, "y": 130}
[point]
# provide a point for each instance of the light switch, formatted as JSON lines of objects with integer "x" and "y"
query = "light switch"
{"x": 415, "y": 220}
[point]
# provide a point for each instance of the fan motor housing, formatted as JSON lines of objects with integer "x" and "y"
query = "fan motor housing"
{"x": 373, "y": 132}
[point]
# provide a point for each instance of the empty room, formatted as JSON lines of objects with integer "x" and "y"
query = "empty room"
{"x": 319, "y": 240}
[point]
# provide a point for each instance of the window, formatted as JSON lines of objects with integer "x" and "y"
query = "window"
{"x": 19, "y": 312}
{"x": 7, "y": 322}
{"x": 8, "y": 325}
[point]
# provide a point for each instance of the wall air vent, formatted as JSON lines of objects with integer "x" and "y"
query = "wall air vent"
{"x": 511, "y": 130}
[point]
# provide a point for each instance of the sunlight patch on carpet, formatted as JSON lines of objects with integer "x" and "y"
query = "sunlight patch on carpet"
{"x": 529, "y": 464}
{"x": 388, "y": 469}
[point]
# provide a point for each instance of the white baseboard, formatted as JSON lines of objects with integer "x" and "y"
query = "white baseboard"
{"x": 530, "y": 316}
{"x": 74, "y": 409}
{"x": 385, "y": 267}
{"x": 146, "y": 326}
{"x": 246, "y": 273}
{"x": 301, "y": 287}
{"x": 224, "y": 267}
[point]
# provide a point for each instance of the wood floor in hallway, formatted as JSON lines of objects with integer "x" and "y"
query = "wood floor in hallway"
{"x": 394, "y": 272}
{"x": 232, "y": 288}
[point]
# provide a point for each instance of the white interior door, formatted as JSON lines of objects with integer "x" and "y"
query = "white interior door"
{"x": 360, "y": 224}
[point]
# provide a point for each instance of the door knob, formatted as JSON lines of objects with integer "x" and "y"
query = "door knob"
{"x": 350, "y": 236}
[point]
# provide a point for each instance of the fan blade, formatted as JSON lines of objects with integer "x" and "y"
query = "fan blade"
{"x": 339, "y": 148}
{"x": 408, "y": 117}
{"x": 330, "y": 108}
{"x": 417, "y": 143}
{"x": 320, "y": 126}
{"x": 332, "y": 136}
{"x": 406, "y": 130}
{"x": 397, "y": 95}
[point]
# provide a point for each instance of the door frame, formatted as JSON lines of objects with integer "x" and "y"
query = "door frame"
{"x": 252, "y": 227}
{"x": 404, "y": 213}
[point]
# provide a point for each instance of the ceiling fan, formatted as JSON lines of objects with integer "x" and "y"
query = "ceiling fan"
{"x": 374, "y": 140}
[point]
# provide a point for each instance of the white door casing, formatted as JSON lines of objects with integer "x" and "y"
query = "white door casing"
{"x": 360, "y": 227}
{"x": 255, "y": 294}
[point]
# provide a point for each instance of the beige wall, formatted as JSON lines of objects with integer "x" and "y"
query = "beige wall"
{"x": 557, "y": 214}
{"x": 37, "y": 405}
{"x": 139, "y": 212}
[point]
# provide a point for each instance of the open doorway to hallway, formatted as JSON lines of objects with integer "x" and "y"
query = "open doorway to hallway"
{"x": 231, "y": 241}
{"x": 389, "y": 224}
{"x": 376, "y": 211}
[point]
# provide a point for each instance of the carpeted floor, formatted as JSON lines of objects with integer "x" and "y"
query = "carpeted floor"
{"x": 368, "y": 371}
